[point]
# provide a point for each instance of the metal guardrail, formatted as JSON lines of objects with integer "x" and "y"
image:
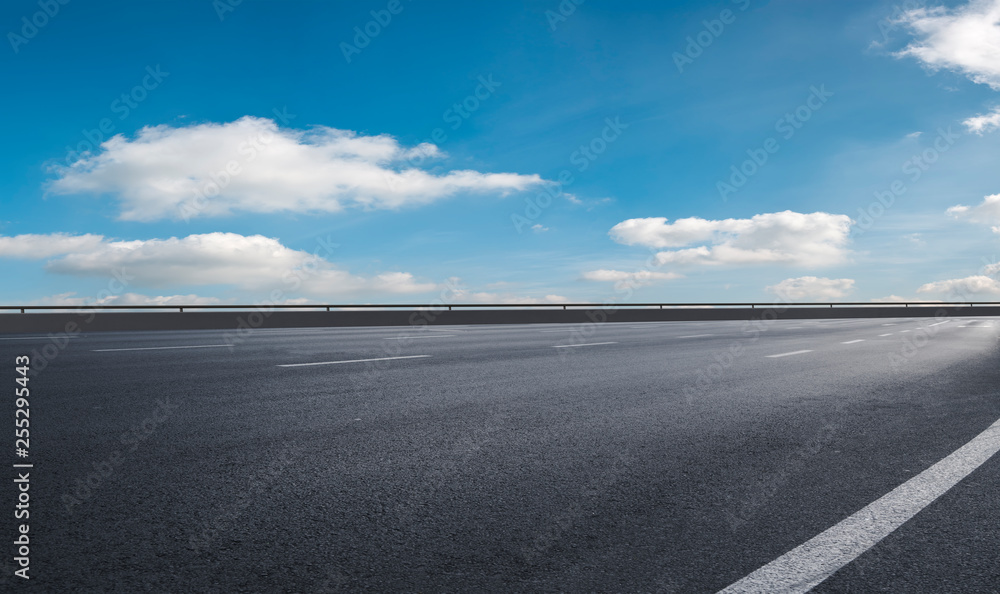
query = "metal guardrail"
{"x": 330, "y": 307}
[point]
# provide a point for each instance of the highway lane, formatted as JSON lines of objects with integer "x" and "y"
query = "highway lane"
{"x": 675, "y": 457}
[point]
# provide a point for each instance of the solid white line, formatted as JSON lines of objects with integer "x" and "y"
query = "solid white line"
{"x": 788, "y": 354}
{"x": 352, "y": 361}
{"x": 853, "y": 341}
{"x": 696, "y": 336}
{"x": 193, "y": 346}
{"x": 565, "y": 346}
{"x": 416, "y": 337}
{"x": 32, "y": 337}
{"x": 805, "y": 566}
{"x": 881, "y": 335}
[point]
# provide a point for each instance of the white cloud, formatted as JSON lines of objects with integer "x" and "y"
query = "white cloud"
{"x": 789, "y": 238}
{"x": 36, "y": 247}
{"x": 898, "y": 299}
{"x": 961, "y": 288}
{"x": 913, "y": 135}
{"x": 811, "y": 288}
{"x": 464, "y": 296}
{"x": 981, "y": 124}
{"x": 126, "y": 299}
{"x": 638, "y": 278}
{"x": 987, "y": 212}
{"x": 964, "y": 39}
{"x": 180, "y": 173}
{"x": 246, "y": 262}
{"x": 538, "y": 228}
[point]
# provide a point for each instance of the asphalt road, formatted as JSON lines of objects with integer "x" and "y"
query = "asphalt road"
{"x": 673, "y": 457}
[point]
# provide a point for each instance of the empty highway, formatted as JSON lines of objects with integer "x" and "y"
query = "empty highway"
{"x": 651, "y": 457}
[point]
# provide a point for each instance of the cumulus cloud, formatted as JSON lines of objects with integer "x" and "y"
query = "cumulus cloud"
{"x": 981, "y": 124}
{"x": 250, "y": 262}
{"x": 987, "y": 212}
{"x": 811, "y": 288}
{"x": 965, "y": 39}
{"x": 963, "y": 287}
{"x": 36, "y": 247}
{"x": 71, "y": 299}
{"x": 638, "y": 278}
{"x": 789, "y": 238}
{"x": 251, "y": 165}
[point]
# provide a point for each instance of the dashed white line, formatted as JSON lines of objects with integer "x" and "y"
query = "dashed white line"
{"x": 566, "y": 346}
{"x": 193, "y": 346}
{"x": 788, "y": 354}
{"x": 901, "y": 331}
{"x": 881, "y": 335}
{"x": 352, "y": 361}
{"x": 696, "y": 336}
{"x": 939, "y": 323}
{"x": 853, "y": 341}
{"x": 806, "y": 566}
{"x": 559, "y": 330}
{"x": 417, "y": 337}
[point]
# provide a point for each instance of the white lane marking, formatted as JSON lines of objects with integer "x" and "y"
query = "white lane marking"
{"x": 939, "y": 323}
{"x": 417, "y": 337}
{"x": 853, "y": 341}
{"x": 881, "y": 335}
{"x": 559, "y": 330}
{"x": 901, "y": 331}
{"x": 193, "y": 346}
{"x": 807, "y": 565}
{"x": 888, "y": 324}
{"x": 788, "y": 354}
{"x": 696, "y": 336}
{"x": 32, "y": 337}
{"x": 566, "y": 346}
{"x": 352, "y": 361}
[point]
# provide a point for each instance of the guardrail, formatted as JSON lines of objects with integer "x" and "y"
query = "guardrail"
{"x": 439, "y": 306}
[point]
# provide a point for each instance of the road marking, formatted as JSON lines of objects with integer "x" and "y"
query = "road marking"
{"x": 881, "y": 335}
{"x": 417, "y": 337}
{"x": 807, "y": 565}
{"x": 901, "y": 331}
{"x": 696, "y": 336}
{"x": 193, "y": 346}
{"x": 32, "y": 337}
{"x": 939, "y": 323}
{"x": 888, "y": 324}
{"x": 352, "y": 361}
{"x": 559, "y": 330}
{"x": 566, "y": 346}
{"x": 853, "y": 341}
{"x": 788, "y": 354}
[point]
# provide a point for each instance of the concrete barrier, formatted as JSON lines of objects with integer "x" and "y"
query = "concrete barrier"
{"x": 103, "y": 321}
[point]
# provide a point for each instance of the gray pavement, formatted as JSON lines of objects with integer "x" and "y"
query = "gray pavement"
{"x": 673, "y": 457}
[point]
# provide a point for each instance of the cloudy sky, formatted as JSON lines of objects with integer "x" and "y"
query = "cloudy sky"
{"x": 391, "y": 151}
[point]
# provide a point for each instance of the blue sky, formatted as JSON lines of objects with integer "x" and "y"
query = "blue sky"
{"x": 499, "y": 152}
